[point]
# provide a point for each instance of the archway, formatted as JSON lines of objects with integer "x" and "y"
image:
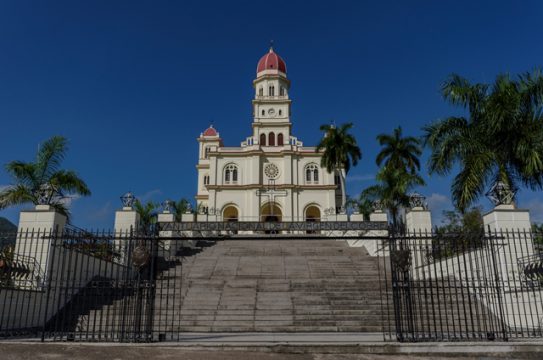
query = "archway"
{"x": 312, "y": 214}
{"x": 270, "y": 212}
{"x": 230, "y": 213}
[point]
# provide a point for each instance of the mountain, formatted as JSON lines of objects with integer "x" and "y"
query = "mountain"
{"x": 7, "y": 226}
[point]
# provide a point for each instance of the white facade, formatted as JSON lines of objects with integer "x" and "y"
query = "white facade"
{"x": 271, "y": 175}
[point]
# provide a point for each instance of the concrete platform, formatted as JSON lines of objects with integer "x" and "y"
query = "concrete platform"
{"x": 245, "y": 346}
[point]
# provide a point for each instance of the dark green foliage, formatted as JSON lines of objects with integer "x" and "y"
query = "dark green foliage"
{"x": 501, "y": 138}
{"x": 341, "y": 151}
{"x": 180, "y": 207}
{"x": 362, "y": 204}
{"x": 399, "y": 158}
{"x": 399, "y": 152}
{"x": 30, "y": 176}
{"x": 148, "y": 215}
{"x": 460, "y": 232}
{"x": 392, "y": 189}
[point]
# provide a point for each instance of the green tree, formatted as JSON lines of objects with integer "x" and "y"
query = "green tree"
{"x": 499, "y": 139}
{"x": 340, "y": 152}
{"x": 399, "y": 151}
{"x": 180, "y": 207}
{"x": 363, "y": 204}
{"x": 148, "y": 215}
{"x": 30, "y": 177}
{"x": 392, "y": 189}
{"x": 460, "y": 232}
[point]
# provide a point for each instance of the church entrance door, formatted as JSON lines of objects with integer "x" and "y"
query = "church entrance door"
{"x": 271, "y": 212}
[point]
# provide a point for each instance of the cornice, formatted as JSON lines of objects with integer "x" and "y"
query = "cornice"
{"x": 264, "y": 153}
{"x": 264, "y": 187}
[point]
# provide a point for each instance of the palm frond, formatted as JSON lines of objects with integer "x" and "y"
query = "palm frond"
{"x": 16, "y": 195}
{"x": 49, "y": 157}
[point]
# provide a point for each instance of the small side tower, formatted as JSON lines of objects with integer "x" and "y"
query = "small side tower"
{"x": 208, "y": 142}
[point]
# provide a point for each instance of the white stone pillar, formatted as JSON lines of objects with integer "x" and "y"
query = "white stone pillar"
{"x": 505, "y": 221}
{"x": 509, "y": 234}
{"x": 356, "y": 216}
{"x": 418, "y": 226}
{"x": 126, "y": 224}
{"x": 418, "y": 220}
{"x": 38, "y": 230}
{"x": 188, "y": 217}
{"x": 169, "y": 247}
{"x": 373, "y": 246}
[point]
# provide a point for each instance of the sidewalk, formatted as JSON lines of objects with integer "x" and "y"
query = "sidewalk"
{"x": 251, "y": 346}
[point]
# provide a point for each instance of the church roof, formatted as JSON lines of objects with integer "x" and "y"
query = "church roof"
{"x": 271, "y": 61}
{"x": 210, "y": 131}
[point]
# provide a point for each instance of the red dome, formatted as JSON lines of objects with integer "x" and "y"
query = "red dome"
{"x": 271, "y": 61}
{"x": 210, "y": 131}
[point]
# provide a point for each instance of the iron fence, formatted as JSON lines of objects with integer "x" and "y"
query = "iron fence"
{"x": 483, "y": 286}
{"x": 124, "y": 286}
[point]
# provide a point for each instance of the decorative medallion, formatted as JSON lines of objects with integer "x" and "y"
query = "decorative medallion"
{"x": 128, "y": 199}
{"x": 417, "y": 200}
{"x": 45, "y": 194}
{"x": 271, "y": 171}
{"x": 140, "y": 256}
{"x": 501, "y": 193}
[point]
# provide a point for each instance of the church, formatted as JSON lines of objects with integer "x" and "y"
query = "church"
{"x": 271, "y": 176}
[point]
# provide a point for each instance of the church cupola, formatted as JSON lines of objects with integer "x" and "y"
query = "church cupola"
{"x": 210, "y": 132}
{"x": 271, "y": 64}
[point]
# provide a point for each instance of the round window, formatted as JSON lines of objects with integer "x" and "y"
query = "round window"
{"x": 271, "y": 171}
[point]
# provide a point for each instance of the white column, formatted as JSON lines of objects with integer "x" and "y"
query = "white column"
{"x": 511, "y": 240}
{"x": 188, "y": 217}
{"x": 418, "y": 225}
{"x": 37, "y": 231}
{"x": 418, "y": 220}
{"x": 169, "y": 246}
{"x": 126, "y": 223}
{"x": 514, "y": 225}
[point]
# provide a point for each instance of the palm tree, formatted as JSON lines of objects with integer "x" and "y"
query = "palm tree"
{"x": 398, "y": 151}
{"x": 30, "y": 178}
{"x": 363, "y": 204}
{"x": 392, "y": 189}
{"x": 340, "y": 152}
{"x": 148, "y": 215}
{"x": 181, "y": 207}
{"x": 500, "y": 138}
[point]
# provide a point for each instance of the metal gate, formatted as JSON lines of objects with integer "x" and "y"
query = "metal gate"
{"x": 469, "y": 286}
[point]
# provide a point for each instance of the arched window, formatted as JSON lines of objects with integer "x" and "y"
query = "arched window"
{"x": 206, "y": 180}
{"x": 263, "y": 112}
{"x": 280, "y": 139}
{"x": 206, "y": 152}
{"x": 261, "y": 91}
{"x": 262, "y": 139}
{"x": 282, "y": 91}
{"x": 231, "y": 174}
{"x": 312, "y": 174}
{"x": 271, "y": 91}
{"x": 271, "y": 139}
{"x": 280, "y": 112}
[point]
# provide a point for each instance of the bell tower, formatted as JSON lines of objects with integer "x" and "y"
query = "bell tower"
{"x": 271, "y": 104}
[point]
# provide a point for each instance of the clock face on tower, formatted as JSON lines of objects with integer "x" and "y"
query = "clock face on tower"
{"x": 271, "y": 112}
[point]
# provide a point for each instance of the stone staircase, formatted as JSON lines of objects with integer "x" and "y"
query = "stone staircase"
{"x": 261, "y": 286}
{"x": 280, "y": 286}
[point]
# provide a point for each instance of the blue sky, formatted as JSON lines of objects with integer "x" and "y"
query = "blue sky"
{"x": 132, "y": 84}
